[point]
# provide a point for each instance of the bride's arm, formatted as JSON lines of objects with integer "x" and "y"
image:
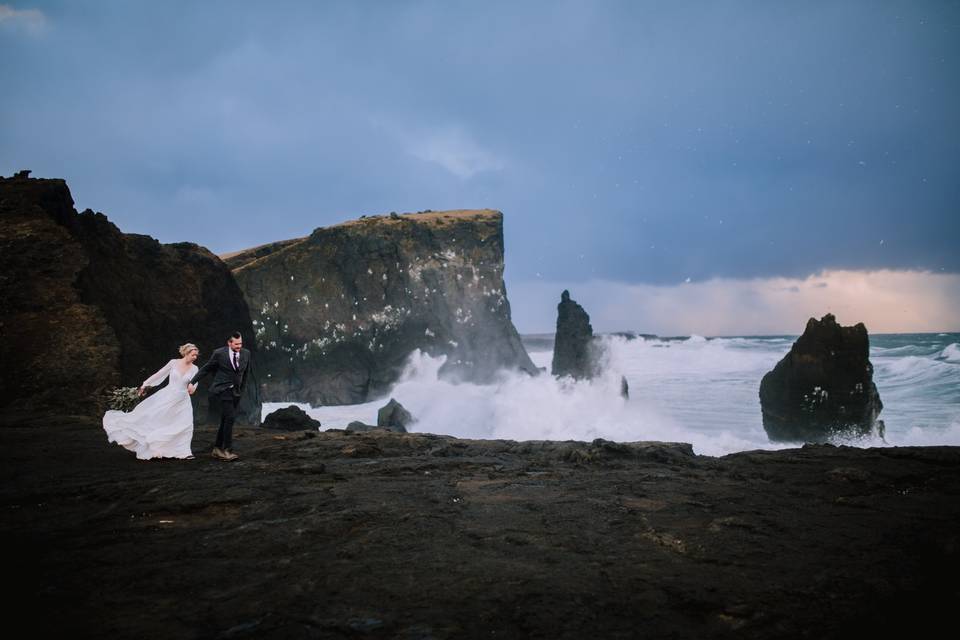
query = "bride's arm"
{"x": 191, "y": 387}
{"x": 158, "y": 377}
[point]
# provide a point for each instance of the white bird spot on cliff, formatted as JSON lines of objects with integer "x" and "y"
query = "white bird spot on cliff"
{"x": 414, "y": 271}
{"x": 429, "y": 333}
{"x": 369, "y": 271}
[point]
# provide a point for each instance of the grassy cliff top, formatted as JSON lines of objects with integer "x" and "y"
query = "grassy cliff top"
{"x": 236, "y": 259}
{"x": 427, "y": 217}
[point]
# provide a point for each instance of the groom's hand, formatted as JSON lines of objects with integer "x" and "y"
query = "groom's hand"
{"x": 141, "y": 391}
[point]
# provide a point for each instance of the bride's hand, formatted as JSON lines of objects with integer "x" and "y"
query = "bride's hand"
{"x": 191, "y": 388}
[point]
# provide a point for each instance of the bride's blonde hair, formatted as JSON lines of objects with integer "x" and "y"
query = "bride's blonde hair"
{"x": 187, "y": 348}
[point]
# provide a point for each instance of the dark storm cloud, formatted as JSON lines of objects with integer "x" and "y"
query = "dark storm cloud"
{"x": 639, "y": 142}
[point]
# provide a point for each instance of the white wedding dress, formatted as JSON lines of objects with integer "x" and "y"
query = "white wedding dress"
{"x": 161, "y": 426}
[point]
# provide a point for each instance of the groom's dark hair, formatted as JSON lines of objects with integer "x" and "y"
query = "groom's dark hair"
{"x": 235, "y": 335}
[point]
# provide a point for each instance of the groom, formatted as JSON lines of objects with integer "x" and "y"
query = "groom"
{"x": 231, "y": 365}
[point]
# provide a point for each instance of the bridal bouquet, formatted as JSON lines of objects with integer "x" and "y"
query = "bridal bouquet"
{"x": 122, "y": 398}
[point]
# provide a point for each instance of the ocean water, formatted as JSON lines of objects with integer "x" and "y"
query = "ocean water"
{"x": 688, "y": 389}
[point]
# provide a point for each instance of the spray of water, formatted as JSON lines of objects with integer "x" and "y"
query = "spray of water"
{"x": 696, "y": 390}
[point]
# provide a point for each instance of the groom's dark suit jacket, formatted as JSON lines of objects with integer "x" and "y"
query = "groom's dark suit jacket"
{"x": 221, "y": 365}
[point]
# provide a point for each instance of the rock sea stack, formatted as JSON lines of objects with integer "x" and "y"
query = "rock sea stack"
{"x": 823, "y": 387}
{"x": 573, "y": 353}
{"x": 576, "y": 351}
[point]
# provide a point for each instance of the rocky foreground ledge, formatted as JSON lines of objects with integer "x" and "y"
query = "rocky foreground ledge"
{"x": 385, "y": 535}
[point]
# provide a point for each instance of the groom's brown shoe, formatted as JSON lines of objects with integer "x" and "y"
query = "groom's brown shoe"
{"x": 230, "y": 455}
{"x": 218, "y": 453}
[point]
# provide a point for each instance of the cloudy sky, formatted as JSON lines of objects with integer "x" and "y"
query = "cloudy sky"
{"x": 707, "y": 167}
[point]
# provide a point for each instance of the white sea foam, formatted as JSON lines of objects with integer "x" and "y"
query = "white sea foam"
{"x": 698, "y": 390}
{"x": 951, "y": 353}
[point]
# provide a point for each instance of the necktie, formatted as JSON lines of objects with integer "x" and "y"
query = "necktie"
{"x": 236, "y": 363}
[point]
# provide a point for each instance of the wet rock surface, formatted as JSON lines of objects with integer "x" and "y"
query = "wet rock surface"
{"x": 385, "y": 535}
{"x": 823, "y": 386}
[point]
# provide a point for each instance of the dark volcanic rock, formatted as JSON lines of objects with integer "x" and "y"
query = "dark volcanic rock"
{"x": 290, "y": 419}
{"x": 393, "y": 414}
{"x": 576, "y": 351}
{"x": 823, "y": 386}
{"x": 87, "y": 307}
{"x": 573, "y": 353}
{"x": 413, "y": 535}
{"x": 65, "y": 351}
{"x": 361, "y": 427}
{"x": 338, "y": 313}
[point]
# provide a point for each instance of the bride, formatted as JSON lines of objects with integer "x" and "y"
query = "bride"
{"x": 162, "y": 425}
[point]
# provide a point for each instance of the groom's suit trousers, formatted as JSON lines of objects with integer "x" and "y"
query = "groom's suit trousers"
{"x": 228, "y": 413}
